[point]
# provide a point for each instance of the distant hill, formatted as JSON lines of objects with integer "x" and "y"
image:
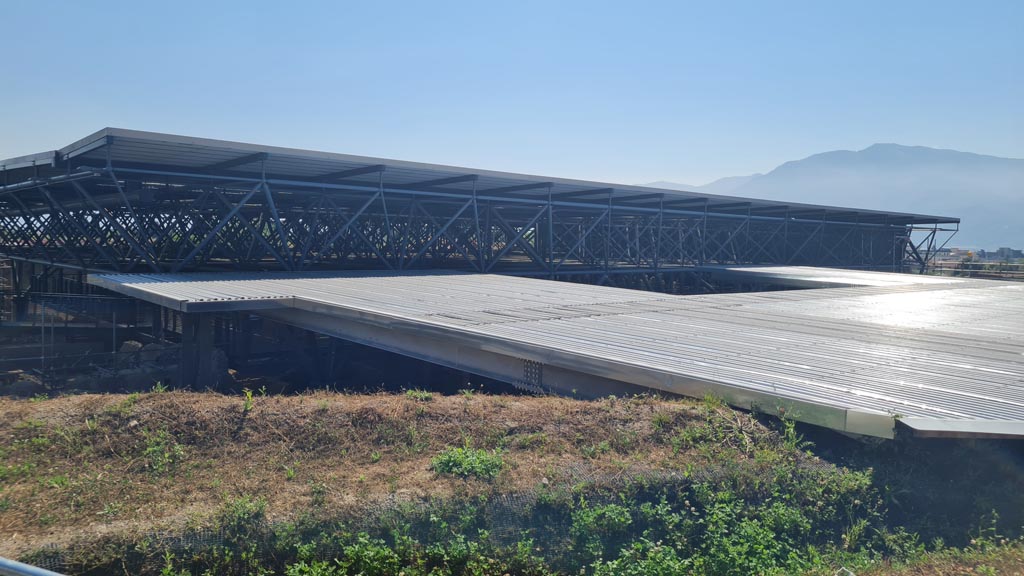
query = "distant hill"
{"x": 672, "y": 185}
{"x": 986, "y": 192}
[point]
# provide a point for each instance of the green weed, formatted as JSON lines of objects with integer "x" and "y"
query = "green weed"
{"x": 60, "y": 481}
{"x": 660, "y": 421}
{"x": 123, "y": 409}
{"x": 9, "y": 472}
{"x": 645, "y": 558}
{"x": 596, "y": 526}
{"x": 110, "y": 509}
{"x": 532, "y": 441}
{"x": 595, "y": 450}
{"x": 247, "y": 402}
{"x": 318, "y": 494}
{"x": 419, "y": 395}
{"x": 162, "y": 452}
{"x": 467, "y": 462}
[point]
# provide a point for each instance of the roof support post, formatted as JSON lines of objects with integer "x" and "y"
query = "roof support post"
{"x": 195, "y": 367}
{"x": 657, "y": 237}
{"x": 387, "y": 217}
{"x": 404, "y": 248}
{"x": 785, "y": 239}
{"x": 748, "y": 254}
{"x": 915, "y": 250}
{"x": 476, "y": 223}
{"x": 704, "y": 234}
{"x": 285, "y": 250}
{"x": 821, "y": 234}
{"x": 551, "y": 236}
{"x": 608, "y": 234}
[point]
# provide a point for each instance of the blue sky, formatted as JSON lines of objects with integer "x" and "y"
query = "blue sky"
{"x": 627, "y": 92}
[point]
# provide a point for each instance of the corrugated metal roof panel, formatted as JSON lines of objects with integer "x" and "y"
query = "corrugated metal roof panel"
{"x": 906, "y": 346}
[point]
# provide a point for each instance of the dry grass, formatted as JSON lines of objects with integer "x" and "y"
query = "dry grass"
{"x": 1003, "y": 560}
{"x": 105, "y": 464}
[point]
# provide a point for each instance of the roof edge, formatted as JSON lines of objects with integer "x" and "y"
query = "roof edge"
{"x": 108, "y": 135}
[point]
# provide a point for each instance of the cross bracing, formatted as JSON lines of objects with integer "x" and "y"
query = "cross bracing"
{"x": 125, "y": 201}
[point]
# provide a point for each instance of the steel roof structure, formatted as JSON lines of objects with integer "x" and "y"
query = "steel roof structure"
{"x": 126, "y": 201}
{"x": 939, "y": 356}
{"x": 133, "y": 148}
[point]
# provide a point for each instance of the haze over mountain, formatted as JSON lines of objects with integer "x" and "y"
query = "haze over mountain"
{"x": 986, "y": 192}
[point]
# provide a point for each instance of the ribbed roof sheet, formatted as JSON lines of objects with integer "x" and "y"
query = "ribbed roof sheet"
{"x": 942, "y": 354}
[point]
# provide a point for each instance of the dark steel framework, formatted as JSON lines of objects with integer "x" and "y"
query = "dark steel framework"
{"x": 130, "y": 201}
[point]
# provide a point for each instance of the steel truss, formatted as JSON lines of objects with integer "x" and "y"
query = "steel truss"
{"x": 128, "y": 219}
{"x": 918, "y": 254}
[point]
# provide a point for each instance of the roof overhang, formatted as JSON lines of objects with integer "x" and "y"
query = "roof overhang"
{"x": 164, "y": 155}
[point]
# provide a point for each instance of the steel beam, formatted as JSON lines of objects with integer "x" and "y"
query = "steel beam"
{"x": 342, "y": 174}
{"x": 440, "y": 182}
{"x": 235, "y": 162}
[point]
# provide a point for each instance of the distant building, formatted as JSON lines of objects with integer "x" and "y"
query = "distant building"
{"x": 1008, "y": 254}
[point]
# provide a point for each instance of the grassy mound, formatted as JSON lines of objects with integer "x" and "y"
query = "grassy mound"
{"x": 329, "y": 483}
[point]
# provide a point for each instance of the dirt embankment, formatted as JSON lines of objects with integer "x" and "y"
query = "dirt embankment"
{"x": 100, "y": 464}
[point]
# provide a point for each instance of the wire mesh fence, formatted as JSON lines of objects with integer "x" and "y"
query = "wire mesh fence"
{"x": 505, "y": 519}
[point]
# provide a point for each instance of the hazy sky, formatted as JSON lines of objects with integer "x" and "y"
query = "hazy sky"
{"x": 628, "y": 92}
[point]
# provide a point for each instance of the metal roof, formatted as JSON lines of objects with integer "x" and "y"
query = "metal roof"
{"x": 943, "y": 356}
{"x": 816, "y": 277}
{"x": 187, "y": 155}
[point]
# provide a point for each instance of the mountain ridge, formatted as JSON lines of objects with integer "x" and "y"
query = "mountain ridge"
{"x": 986, "y": 192}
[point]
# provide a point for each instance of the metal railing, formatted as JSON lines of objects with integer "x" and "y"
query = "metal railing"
{"x": 990, "y": 270}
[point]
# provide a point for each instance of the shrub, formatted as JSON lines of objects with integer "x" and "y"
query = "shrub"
{"x": 596, "y": 527}
{"x": 468, "y": 462}
{"x": 313, "y": 568}
{"x": 743, "y": 539}
{"x": 369, "y": 557}
{"x": 243, "y": 514}
{"x": 644, "y": 558}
